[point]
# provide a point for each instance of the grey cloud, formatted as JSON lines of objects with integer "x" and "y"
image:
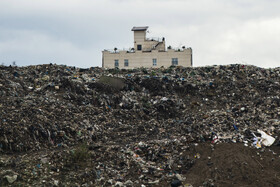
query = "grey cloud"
{"x": 75, "y": 32}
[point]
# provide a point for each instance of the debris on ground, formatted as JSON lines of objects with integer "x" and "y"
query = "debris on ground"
{"x": 204, "y": 126}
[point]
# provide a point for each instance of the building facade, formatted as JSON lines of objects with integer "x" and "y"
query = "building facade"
{"x": 147, "y": 52}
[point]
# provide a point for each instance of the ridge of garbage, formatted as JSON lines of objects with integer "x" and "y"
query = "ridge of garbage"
{"x": 139, "y": 112}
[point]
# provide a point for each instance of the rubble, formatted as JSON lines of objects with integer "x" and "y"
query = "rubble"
{"x": 64, "y": 126}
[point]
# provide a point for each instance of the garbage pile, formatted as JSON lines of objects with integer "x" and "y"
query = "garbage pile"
{"x": 142, "y": 127}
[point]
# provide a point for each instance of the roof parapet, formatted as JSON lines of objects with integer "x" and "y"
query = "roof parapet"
{"x": 140, "y": 28}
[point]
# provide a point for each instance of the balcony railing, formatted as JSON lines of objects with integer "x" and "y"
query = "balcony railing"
{"x": 129, "y": 50}
{"x": 155, "y": 39}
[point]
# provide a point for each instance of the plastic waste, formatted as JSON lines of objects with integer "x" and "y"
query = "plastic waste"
{"x": 266, "y": 139}
{"x": 235, "y": 127}
{"x": 11, "y": 179}
{"x": 257, "y": 142}
{"x": 176, "y": 183}
{"x": 215, "y": 139}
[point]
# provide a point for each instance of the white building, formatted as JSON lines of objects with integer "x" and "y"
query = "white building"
{"x": 147, "y": 52}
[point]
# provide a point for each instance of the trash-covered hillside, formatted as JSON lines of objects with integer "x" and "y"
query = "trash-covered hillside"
{"x": 204, "y": 126}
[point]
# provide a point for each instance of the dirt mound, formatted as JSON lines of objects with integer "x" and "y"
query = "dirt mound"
{"x": 235, "y": 165}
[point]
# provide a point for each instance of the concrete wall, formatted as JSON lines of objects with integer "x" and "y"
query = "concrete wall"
{"x": 139, "y": 38}
{"x": 145, "y": 59}
{"x": 149, "y": 45}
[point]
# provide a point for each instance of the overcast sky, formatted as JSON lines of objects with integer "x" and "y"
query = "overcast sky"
{"x": 74, "y": 32}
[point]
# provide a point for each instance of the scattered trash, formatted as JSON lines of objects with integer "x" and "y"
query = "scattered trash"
{"x": 119, "y": 184}
{"x": 266, "y": 139}
{"x": 176, "y": 183}
{"x": 153, "y": 182}
{"x": 257, "y": 142}
{"x": 11, "y": 179}
{"x": 197, "y": 156}
{"x": 235, "y": 127}
{"x": 215, "y": 139}
{"x": 139, "y": 127}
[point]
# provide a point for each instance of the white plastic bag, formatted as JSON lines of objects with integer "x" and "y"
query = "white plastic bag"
{"x": 266, "y": 139}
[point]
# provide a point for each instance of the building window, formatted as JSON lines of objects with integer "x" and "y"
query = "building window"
{"x": 125, "y": 62}
{"x": 154, "y": 62}
{"x": 174, "y": 61}
{"x": 139, "y": 47}
{"x": 116, "y": 63}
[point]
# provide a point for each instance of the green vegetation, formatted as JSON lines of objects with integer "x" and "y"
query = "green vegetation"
{"x": 113, "y": 82}
{"x": 80, "y": 154}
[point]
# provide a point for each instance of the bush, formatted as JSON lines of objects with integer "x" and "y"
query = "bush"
{"x": 81, "y": 153}
{"x": 114, "y": 82}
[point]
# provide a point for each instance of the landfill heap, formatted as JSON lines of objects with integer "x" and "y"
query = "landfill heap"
{"x": 204, "y": 126}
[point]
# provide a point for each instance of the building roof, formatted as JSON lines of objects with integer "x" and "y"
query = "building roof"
{"x": 139, "y": 28}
